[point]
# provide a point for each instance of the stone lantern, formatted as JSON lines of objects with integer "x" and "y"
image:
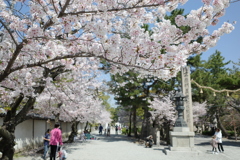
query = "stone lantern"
{"x": 179, "y": 102}
{"x": 181, "y": 138}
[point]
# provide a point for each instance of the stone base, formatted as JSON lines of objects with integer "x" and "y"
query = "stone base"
{"x": 181, "y": 139}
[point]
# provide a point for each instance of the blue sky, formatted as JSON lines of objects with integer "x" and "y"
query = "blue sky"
{"x": 229, "y": 44}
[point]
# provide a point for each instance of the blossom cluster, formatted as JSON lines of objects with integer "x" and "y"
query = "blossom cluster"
{"x": 40, "y": 34}
{"x": 72, "y": 97}
{"x": 163, "y": 110}
{"x": 199, "y": 110}
{"x": 110, "y": 30}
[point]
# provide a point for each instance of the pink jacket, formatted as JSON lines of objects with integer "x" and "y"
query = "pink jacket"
{"x": 214, "y": 143}
{"x": 56, "y": 137}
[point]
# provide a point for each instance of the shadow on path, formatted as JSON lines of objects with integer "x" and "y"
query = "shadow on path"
{"x": 115, "y": 138}
{"x": 202, "y": 140}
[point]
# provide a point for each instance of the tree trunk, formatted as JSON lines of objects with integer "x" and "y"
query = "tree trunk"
{"x": 154, "y": 134}
{"x": 145, "y": 124}
{"x": 86, "y": 126}
{"x": 73, "y": 132}
{"x": 7, "y": 143}
{"x": 167, "y": 130}
{"x": 90, "y": 125}
{"x": 130, "y": 125}
{"x": 235, "y": 132}
{"x": 17, "y": 115}
{"x": 11, "y": 120}
{"x": 135, "y": 121}
{"x": 56, "y": 119}
{"x": 224, "y": 131}
{"x": 161, "y": 129}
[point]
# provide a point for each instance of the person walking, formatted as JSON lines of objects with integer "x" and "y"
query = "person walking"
{"x": 100, "y": 129}
{"x": 218, "y": 134}
{"x": 46, "y": 139}
{"x": 55, "y": 140}
{"x": 119, "y": 129}
{"x": 108, "y": 130}
{"x": 116, "y": 129}
{"x": 214, "y": 145}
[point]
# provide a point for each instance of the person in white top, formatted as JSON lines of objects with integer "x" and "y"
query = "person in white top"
{"x": 218, "y": 134}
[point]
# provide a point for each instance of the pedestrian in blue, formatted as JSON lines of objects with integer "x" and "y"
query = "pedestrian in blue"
{"x": 100, "y": 129}
{"x": 46, "y": 139}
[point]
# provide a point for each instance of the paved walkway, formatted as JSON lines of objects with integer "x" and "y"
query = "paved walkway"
{"x": 121, "y": 147}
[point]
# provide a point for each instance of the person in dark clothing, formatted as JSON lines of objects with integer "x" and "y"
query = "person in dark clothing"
{"x": 100, "y": 129}
{"x": 116, "y": 129}
{"x": 149, "y": 141}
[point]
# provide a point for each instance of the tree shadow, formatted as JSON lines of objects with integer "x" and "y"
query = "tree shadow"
{"x": 115, "y": 138}
{"x": 226, "y": 143}
{"x": 205, "y": 141}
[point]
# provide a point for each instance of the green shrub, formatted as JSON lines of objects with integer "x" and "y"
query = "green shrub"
{"x": 124, "y": 131}
{"x": 208, "y": 133}
{"x": 139, "y": 130}
{"x": 231, "y": 133}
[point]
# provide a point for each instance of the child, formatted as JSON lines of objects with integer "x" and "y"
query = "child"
{"x": 46, "y": 139}
{"x": 62, "y": 154}
{"x": 214, "y": 145}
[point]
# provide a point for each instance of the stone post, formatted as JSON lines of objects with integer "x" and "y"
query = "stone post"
{"x": 187, "y": 91}
{"x": 158, "y": 138}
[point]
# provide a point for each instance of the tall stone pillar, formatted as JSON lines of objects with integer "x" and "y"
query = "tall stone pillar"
{"x": 187, "y": 91}
{"x": 182, "y": 136}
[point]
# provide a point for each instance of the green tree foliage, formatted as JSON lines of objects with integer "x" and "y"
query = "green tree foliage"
{"x": 172, "y": 17}
{"x": 232, "y": 82}
{"x": 212, "y": 73}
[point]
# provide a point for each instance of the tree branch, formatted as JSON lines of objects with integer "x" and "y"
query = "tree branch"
{"x": 109, "y": 10}
{"x": 7, "y": 70}
{"x": 64, "y": 8}
{"x": 10, "y": 33}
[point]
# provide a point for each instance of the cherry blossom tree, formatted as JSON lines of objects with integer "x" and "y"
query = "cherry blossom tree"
{"x": 65, "y": 92}
{"x": 71, "y": 97}
{"x": 163, "y": 109}
{"x": 199, "y": 110}
{"x": 163, "y": 115}
{"x": 69, "y": 91}
{"x": 18, "y": 104}
{"x": 39, "y": 38}
{"x": 36, "y": 33}
{"x": 199, "y": 114}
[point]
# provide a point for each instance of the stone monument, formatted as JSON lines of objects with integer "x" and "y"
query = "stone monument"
{"x": 182, "y": 136}
{"x": 182, "y": 139}
{"x": 187, "y": 91}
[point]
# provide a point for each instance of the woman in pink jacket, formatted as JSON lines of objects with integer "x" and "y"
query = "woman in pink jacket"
{"x": 55, "y": 140}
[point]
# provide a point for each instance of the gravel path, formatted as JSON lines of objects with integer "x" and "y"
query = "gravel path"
{"x": 121, "y": 147}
